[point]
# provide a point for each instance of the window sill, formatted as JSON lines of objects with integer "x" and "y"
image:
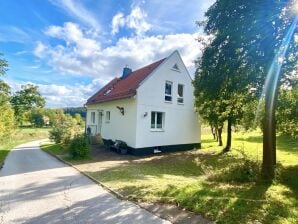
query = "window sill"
{"x": 107, "y": 121}
{"x": 156, "y": 130}
{"x": 176, "y": 70}
{"x": 168, "y": 101}
{"x": 180, "y": 103}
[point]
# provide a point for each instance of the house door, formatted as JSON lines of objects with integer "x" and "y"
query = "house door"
{"x": 100, "y": 113}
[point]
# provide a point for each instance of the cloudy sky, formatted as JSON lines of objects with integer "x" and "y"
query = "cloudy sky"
{"x": 71, "y": 48}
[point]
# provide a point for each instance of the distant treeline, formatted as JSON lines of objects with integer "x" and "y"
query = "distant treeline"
{"x": 75, "y": 110}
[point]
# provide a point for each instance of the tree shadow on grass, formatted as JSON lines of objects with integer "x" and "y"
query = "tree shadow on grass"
{"x": 288, "y": 176}
{"x": 186, "y": 164}
{"x": 230, "y": 204}
{"x": 234, "y": 199}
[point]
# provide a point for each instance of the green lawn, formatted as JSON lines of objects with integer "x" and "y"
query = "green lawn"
{"x": 222, "y": 187}
{"x": 22, "y": 135}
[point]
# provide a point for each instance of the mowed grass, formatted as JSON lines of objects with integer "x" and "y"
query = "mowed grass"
{"x": 55, "y": 149}
{"x": 22, "y": 135}
{"x": 225, "y": 188}
{"x": 222, "y": 187}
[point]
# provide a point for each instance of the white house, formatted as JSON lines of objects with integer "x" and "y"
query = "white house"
{"x": 149, "y": 108}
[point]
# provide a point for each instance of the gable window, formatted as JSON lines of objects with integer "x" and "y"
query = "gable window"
{"x": 93, "y": 117}
{"x": 168, "y": 91}
{"x": 108, "y": 116}
{"x": 176, "y": 67}
{"x": 180, "y": 98}
{"x": 157, "y": 120}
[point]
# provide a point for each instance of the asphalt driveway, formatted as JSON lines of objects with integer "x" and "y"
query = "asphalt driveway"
{"x": 37, "y": 188}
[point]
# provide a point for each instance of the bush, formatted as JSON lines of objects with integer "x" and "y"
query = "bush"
{"x": 7, "y": 122}
{"x": 79, "y": 147}
{"x": 65, "y": 127}
{"x": 60, "y": 134}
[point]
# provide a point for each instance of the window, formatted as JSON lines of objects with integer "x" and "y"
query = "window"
{"x": 108, "y": 116}
{"x": 157, "y": 120}
{"x": 168, "y": 91}
{"x": 108, "y": 91}
{"x": 180, "y": 93}
{"x": 176, "y": 67}
{"x": 93, "y": 117}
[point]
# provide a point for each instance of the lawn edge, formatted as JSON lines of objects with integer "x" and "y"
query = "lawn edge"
{"x": 116, "y": 194}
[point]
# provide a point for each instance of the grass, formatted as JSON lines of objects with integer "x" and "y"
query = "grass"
{"x": 55, "y": 149}
{"x": 22, "y": 135}
{"x": 221, "y": 187}
{"x": 62, "y": 151}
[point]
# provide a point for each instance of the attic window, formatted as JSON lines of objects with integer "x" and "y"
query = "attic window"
{"x": 176, "y": 67}
{"x": 108, "y": 91}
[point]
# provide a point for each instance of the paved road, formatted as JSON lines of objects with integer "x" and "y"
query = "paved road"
{"x": 37, "y": 188}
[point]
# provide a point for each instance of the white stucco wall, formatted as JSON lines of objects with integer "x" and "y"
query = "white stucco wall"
{"x": 120, "y": 127}
{"x": 181, "y": 121}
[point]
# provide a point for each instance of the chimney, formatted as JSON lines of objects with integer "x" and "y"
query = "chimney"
{"x": 126, "y": 72}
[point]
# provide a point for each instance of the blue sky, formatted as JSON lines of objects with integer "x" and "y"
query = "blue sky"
{"x": 71, "y": 48}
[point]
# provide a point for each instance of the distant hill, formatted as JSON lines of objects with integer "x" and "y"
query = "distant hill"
{"x": 75, "y": 110}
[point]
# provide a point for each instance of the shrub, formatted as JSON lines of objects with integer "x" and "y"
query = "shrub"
{"x": 65, "y": 127}
{"x": 79, "y": 147}
{"x": 7, "y": 122}
{"x": 60, "y": 134}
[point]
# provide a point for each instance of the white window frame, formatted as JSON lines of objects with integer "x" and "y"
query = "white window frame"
{"x": 92, "y": 117}
{"x": 154, "y": 127}
{"x": 108, "y": 116}
{"x": 180, "y": 97}
{"x": 169, "y": 95}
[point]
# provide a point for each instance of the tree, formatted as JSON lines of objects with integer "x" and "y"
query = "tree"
{"x": 37, "y": 118}
{"x": 287, "y": 112}
{"x": 247, "y": 37}
{"x": 25, "y": 100}
{"x": 7, "y": 121}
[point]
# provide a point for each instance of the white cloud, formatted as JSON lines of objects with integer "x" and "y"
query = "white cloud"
{"x": 83, "y": 54}
{"x": 58, "y": 96}
{"x": 39, "y": 50}
{"x": 117, "y": 22}
{"x": 136, "y": 20}
{"x": 77, "y": 10}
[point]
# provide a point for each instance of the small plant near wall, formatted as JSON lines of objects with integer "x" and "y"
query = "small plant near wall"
{"x": 79, "y": 147}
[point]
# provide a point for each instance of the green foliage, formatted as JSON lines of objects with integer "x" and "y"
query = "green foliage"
{"x": 64, "y": 128}
{"x": 25, "y": 100}
{"x": 79, "y": 119}
{"x": 75, "y": 110}
{"x": 287, "y": 112}
{"x": 37, "y": 118}
{"x": 4, "y": 93}
{"x": 79, "y": 147}
{"x": 7, "y": 118}
{"x": 7, "y": 122}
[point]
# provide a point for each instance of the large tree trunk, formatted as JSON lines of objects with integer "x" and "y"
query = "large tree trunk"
{"x": 269, "y": 139}
{"x": 219, "y": 132}
{"x": 229, "y": 136}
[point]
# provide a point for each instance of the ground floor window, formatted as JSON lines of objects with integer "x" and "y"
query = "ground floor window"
{"x": 108, "y": 116}
{"x": 157, "y": 120}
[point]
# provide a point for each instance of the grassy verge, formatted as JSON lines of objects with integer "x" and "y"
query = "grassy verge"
{"x": 222, "y": 187}
{"x": 22, "y": 135}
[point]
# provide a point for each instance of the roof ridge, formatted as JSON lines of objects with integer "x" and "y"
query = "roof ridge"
{"x": 124, "y": 86}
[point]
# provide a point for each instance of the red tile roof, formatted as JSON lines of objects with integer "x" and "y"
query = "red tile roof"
{"x": 123, "y": 88}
